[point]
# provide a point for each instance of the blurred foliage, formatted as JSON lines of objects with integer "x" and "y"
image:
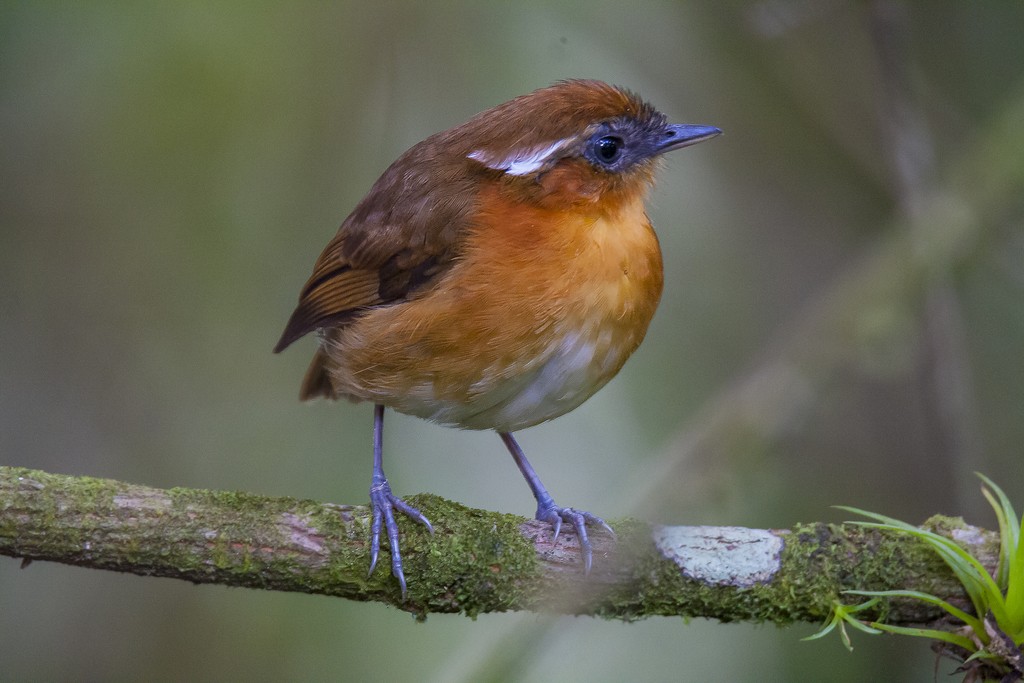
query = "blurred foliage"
{"x": 170, "y": 172}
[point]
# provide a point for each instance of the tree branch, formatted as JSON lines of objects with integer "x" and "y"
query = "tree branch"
{"x": 476, "y": 561}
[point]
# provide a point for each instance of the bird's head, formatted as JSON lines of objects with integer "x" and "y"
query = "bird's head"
{"x": 575, "y": 142}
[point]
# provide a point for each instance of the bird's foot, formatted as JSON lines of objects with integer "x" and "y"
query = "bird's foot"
{"x": 384, "y": 503}
{"x": 555, "y": 515}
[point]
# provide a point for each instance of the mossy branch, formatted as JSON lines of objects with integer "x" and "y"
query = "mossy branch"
{"x": 476, "y": 561}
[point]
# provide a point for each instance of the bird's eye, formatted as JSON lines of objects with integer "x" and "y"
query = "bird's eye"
{"x": 608, "y": 149}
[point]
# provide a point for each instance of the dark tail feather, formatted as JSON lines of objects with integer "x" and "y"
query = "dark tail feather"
{"x": 317, "y": 382}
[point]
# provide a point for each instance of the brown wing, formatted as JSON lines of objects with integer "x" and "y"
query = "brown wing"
{"x": 401, "y": 237}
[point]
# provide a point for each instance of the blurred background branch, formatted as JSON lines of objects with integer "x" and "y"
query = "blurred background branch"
{"x": 859, "y": 317}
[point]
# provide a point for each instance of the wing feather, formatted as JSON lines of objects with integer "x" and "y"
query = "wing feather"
{"x": 400, "y": 239}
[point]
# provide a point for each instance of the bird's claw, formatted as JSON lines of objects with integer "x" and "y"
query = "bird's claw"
{"x": 555, "y": 515}
{"x": 383, "y": 503}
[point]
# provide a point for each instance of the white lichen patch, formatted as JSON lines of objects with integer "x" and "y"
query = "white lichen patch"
{"x": 721, "y": 556}
{"x": 969, "y": 536}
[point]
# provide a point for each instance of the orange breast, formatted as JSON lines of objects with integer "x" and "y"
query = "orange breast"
{"x": 542, "y": 310}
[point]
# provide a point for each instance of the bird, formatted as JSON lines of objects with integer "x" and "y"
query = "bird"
{"x": 494, "y": 277}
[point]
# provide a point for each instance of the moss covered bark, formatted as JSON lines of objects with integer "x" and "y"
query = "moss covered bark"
{"x": 475, "y": 562}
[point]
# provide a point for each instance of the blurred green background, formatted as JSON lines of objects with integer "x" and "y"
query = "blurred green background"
{"x": 842, "y": 320}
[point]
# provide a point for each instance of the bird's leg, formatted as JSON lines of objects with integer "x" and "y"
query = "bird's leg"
{"x": 548, "y": 511}
{"x": 383, "y": 503}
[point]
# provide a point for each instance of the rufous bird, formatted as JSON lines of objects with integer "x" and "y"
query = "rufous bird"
{"x": 494, "y": 277}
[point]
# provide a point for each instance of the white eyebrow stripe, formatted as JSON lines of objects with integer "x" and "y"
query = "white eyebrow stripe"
{"x": 519, "y": 162}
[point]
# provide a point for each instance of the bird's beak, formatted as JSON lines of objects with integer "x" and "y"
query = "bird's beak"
{"x": 678, "y": 135}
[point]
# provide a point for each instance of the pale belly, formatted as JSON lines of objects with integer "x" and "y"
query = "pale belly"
{"x": 571, "y": 370}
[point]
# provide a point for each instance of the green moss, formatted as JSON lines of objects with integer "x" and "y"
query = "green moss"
{"x": 836, "y": 558}
{"x": 478, "y": 561}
